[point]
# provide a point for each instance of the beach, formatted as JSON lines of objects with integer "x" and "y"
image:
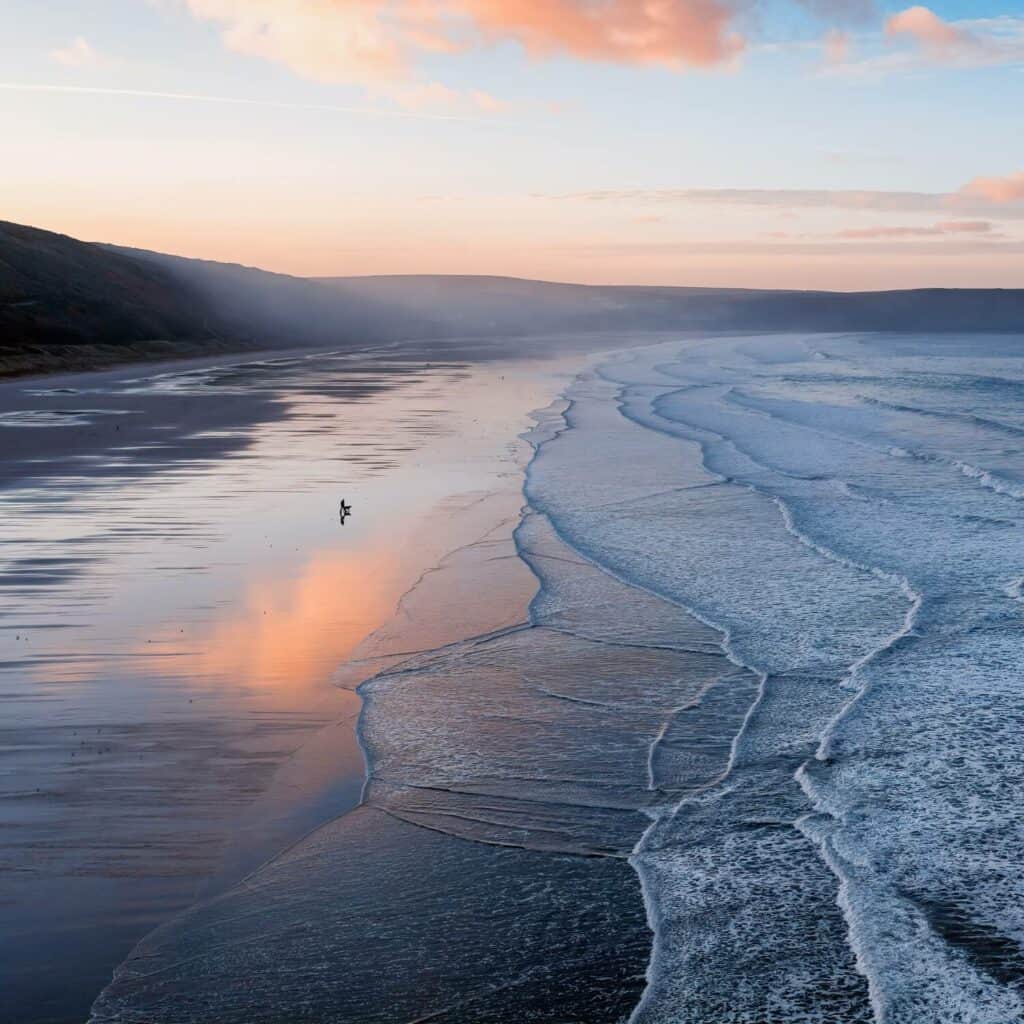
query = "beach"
{"x": 179, "y": 600}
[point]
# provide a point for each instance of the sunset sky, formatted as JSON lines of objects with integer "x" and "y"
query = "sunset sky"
{"x": 822, "y": 143}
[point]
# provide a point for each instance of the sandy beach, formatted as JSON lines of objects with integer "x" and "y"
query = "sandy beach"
{"x": 185, "y": 620}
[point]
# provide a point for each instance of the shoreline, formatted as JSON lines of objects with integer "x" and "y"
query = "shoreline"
{"x": 171, "y": 363}
{"x": 319, "y": 802}
{"x": 413, "y": 819}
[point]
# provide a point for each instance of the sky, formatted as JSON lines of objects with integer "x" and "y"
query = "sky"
{"x": 846, "y": 144}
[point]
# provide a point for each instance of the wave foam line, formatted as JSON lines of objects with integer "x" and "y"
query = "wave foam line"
{"x": 713, "y": 789}
{"x": 984, "y": 477}
{"x": 853, "y": 672}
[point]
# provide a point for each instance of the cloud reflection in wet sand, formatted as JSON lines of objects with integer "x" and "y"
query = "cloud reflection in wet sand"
{"x": 291, "y": 631}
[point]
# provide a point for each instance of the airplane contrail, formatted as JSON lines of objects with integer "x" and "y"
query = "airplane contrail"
{"x": 87, "y": 90}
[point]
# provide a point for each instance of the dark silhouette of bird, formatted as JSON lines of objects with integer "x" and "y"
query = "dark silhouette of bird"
{"x": 344, "y": 511}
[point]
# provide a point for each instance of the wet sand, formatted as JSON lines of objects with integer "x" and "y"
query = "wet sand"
{"x": 177, "y": 597}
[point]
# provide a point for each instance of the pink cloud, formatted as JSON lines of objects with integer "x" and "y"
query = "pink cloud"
{"x": 373, "y": 40}
{"x": 952, "y": 227}
{"x": 837, "y": 45}
{"x": 668, "y": 32}
{"x": 995, "y": 190}
{"x": 965, "y": 227}
{"x": 421, "y": 96}
{"x": 363, "y": 41}
{"x": 780, "y": 199}
{"x": 78, "y": 54}
{"x": 370, "y": 40}
{"x": 973, "y": 200}
{"x": 486, "y": 102}
{"x": 319, "y": 39}
{"x": 948, "y": 43}
{"x": 930, "y": 40}
{"x": 926, "y": 28}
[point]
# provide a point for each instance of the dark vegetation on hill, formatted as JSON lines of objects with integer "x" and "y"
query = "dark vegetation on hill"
{"x": 66, "y": 304}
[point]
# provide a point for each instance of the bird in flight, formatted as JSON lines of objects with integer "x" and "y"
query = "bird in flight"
{"x": 344, "y": 511}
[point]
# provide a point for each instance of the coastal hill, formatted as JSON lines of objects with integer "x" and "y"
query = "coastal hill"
{"x": 68, "y": 304}
{"x": 509, "y": 306}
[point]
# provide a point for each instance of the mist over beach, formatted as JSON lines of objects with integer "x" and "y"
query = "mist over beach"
{"x": 511, "y": 512}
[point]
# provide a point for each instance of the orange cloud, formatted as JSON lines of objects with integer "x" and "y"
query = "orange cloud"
{"x": 995, "y": 190}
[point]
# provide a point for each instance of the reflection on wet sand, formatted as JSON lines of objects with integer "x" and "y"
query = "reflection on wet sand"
{"x": 289, "y": 632}
{"x": 176, "y": 597}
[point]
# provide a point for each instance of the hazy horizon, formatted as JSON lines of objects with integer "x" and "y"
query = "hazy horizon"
{"x": 611, "y": 283}
{"x": 455, "y": 274}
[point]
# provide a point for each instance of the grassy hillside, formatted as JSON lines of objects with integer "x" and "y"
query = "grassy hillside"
{"x": 65, "y": 303}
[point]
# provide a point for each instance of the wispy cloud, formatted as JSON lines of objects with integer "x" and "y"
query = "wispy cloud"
{"x": 780, "y": 198}
{"x": 838, "y": 46}
{"x": 421, "y": 96}
{"x": 812, "y": 248}
{"x": 77, "y": 54}
{"x": 975, "y": 197}
{"x": 943, "y": 228}
{"x": 188, "y": 97}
